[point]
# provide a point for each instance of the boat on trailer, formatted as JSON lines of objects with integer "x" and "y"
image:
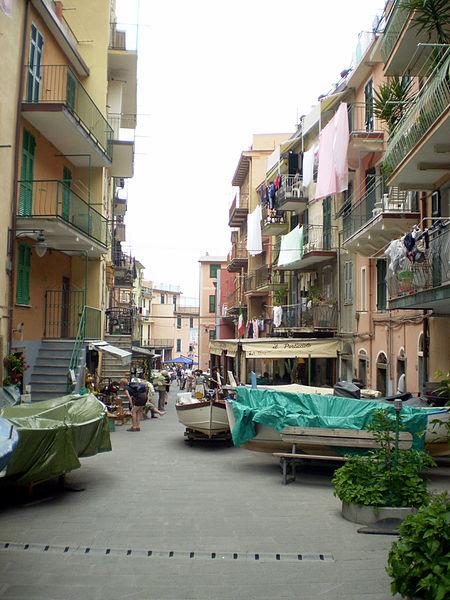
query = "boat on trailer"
{"x": 204, "y": 418}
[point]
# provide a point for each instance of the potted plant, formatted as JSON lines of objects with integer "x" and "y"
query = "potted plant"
{"x": 15, "y": 368}
{"x": 418, "y": 561}
{"x": 387, "y": 481}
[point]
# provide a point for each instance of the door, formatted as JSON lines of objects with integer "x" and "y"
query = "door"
{"x": 370, "y": 192}
{"x": 65, "y": 193}
{"x": 65, "y": 307}
{"x": 26, "y": 175}
{"x": 34, "y": 65}
{"x": 368, "y": 105}
{"x": 327, "y": 223}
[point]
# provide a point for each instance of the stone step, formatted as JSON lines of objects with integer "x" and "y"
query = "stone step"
{"x": 54, "y": 378}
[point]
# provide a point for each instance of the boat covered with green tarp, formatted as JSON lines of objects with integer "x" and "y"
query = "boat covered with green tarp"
{"x": 54, "y": 434}
{"x": 258, "y": 416}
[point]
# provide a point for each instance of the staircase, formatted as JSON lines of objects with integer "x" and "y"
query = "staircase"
{"x": 112, "y": 367}
{"x": 49, "y": 376}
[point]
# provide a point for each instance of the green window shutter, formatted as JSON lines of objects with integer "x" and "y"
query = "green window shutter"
{"x": 23, "y": 274}
{"x": 212, "y": 304}
{"x": 212, "y": 334}
{"x": 348, "y": 281}
{"x": 213, "y": 271}
{"x": 381, "y": 284}
{"x": 178, "y": 345}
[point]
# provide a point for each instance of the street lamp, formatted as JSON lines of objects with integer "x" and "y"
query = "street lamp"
{"x": 40, "y": 246}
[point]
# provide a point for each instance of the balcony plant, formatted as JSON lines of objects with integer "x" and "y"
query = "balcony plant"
{"x": 391, "y": 100}
{"x": 279, "y": 296}
{"x": 384, "y": 477}
{"x": 418, "y": 560}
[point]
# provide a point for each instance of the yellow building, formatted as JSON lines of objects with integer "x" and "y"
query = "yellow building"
{"x": 68, "y": 155}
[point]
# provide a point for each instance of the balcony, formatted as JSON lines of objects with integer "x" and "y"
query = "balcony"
{"x": 400, "y": 48}
{"x": 57, "y": 105}
{"x": 119, "y": 321}
{"x": 122, "y": 65}
{"x": 417, "y": 151}
{"x": 235, "y": 300}
{"x": 68, "y": 221}
{"x": 274, "y": 222}
{"x": 238, "y": 211}
{"x": 425, "y": 285}
{"x": 308, "y": 316}
{"x": 158, "y": 343}
{"x": 291, "y": 195}
{"x": 124, "y": 269}
{"x": 120, "y": 206}
{"x": 238, "y": 257}
{"x": 366, "y": 131}
{"x": 123, "y": 154}
{"x": 319, "y": 245}
{"x": 262, "y": 281}
{"x": 382, "y": 214}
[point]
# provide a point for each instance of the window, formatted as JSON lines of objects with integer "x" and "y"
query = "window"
{"x": 212, "y": 304}
{"x": 34, "y": 65}
{"x": 348, "y": 292}
{"x": 191, "y": 322}
{"x": 174, "y": 300}
{"x": 178, "y": 322}
{"x": 327, "y": 282}
{"x": 213, "y": 271}
{"x": 162, "y": 299}
{"x": 23, "y": 274}
{"x": 363, "y": 289}
{"x": 305, "y": 227}
{"x": 381, "y": 284}
{"x": 212, "y": 334}
{"x": 178, "y": 345}
{"x": 368, "y": 102}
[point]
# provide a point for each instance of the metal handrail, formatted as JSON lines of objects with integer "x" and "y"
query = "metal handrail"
{"x": 430, "y": 103}
{"x": 317, "y": 315}
{"x": 396, "y": 21}
{"x": 43, "y": 198}
{"x": 89, "y": 327}
{"x": 58, "y": 84}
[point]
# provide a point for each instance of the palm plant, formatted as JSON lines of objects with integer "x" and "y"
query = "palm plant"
{"x": 430, "y": 16}
{"x": 391, "y": 100}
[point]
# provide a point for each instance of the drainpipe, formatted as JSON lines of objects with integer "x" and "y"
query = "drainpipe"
{"x": 16, "y": 171}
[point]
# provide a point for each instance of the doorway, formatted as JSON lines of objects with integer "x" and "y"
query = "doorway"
{"x": 65, "y": 307}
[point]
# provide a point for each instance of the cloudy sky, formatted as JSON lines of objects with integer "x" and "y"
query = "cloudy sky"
{"x": 210, "y": 74}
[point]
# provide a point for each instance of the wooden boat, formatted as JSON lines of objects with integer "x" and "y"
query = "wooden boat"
{"x": 268, "y": 439}
{"x": 203, "y": 418}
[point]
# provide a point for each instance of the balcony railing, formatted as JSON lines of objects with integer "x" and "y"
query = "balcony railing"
{"x": 309, "y": 314}
{"x": 58, "y": 84}
{"x": 319, "y": 238}
{"x": 378, "y": 199}
{"x": 62, "y": 313}
{"x": 291, "y": 187}
{"x": 432, "y": 272}
{"x": 272, "y": 216}
{"x": 238, "y": 209}
{"x": 239, "y": 251}
{"x": 55, "y": 199}
{"x": 361, "y": 119}
{"x": 235, "y": 299}
{"x": 158, "y": 343}
{"x": 119, "y": 321}
{"x": 397, "y": 19}
{"x": 429, "y": 105}
{"x": 264, "y": 277}
{"x": 123, "y": 36}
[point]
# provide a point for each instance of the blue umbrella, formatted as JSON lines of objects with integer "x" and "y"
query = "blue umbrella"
{"x": 181, "y": 360}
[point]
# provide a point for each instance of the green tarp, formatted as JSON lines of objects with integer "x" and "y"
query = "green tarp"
{"x": 54, "y": 434}
{"x": 286, "y": 409}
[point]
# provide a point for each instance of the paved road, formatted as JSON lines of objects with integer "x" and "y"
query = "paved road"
{"x": 161, "y": 520}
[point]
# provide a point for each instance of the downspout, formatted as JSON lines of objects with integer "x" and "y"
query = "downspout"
{"x": 16, "y": 172}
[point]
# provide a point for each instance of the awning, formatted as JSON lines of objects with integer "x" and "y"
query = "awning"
{"x": 142, "y": 351}
{"x": 124, "y": 355}
{"x": 291, "y": 348}
{"x": 218, "y": 346}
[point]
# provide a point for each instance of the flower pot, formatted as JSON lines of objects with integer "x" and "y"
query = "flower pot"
{"x": 366, "y": 515}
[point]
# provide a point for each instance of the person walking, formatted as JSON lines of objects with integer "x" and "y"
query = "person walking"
{"x": 137, "y": 401}
{"x": 167, "y": 382}
{"x": 161, "y": 385}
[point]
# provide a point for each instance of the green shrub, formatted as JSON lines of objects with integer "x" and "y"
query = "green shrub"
{"x": 419, "y": 561}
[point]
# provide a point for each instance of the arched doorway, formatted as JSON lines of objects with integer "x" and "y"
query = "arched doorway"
{"x": 382, "y": 373}
{"x": 401, "y": 371}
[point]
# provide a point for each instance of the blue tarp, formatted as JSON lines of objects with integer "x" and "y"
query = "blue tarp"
{"x": 278, "y": 409}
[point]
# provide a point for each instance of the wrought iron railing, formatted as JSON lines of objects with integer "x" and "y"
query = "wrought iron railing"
{"x": 428, "y": 106}
{"x": 309, "y": 314}
{"x": 272, "y": 216}
{"x": 236, "y": 297}
{"x": 240, "y": 202}
{"x": 378, "y": 199}
{"x": 319, "y": 238}
{"x": 120, "y": 121}
{"x": 123, "y": 36}
{"x": 58, "y": 84}
{"x": 361, "y": 118}
{"x": 263, "y": 277}
{"x": 394, "y": 26}
{"x": 429, "y": 270}
{"x": 158, "y": 343}
{"x": 55, "y": 199}
{"x": 291, "y": 187}
{"x": 239, "y": 250}
{"x": 62, "y": 313}
{"x": 89, "y": 327}
{"x": 119, "y": 321}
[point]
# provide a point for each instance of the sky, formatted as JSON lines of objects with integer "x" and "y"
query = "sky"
{"x": 210, "y": 75}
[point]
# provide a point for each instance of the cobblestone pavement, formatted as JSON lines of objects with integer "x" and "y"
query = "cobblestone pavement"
{"x": 161, "y": 520}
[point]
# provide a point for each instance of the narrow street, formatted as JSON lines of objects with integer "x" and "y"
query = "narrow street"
{"x": 159, "y": 519}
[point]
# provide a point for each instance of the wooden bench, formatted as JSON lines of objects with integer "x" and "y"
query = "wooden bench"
{"x": 326, "y": 438}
